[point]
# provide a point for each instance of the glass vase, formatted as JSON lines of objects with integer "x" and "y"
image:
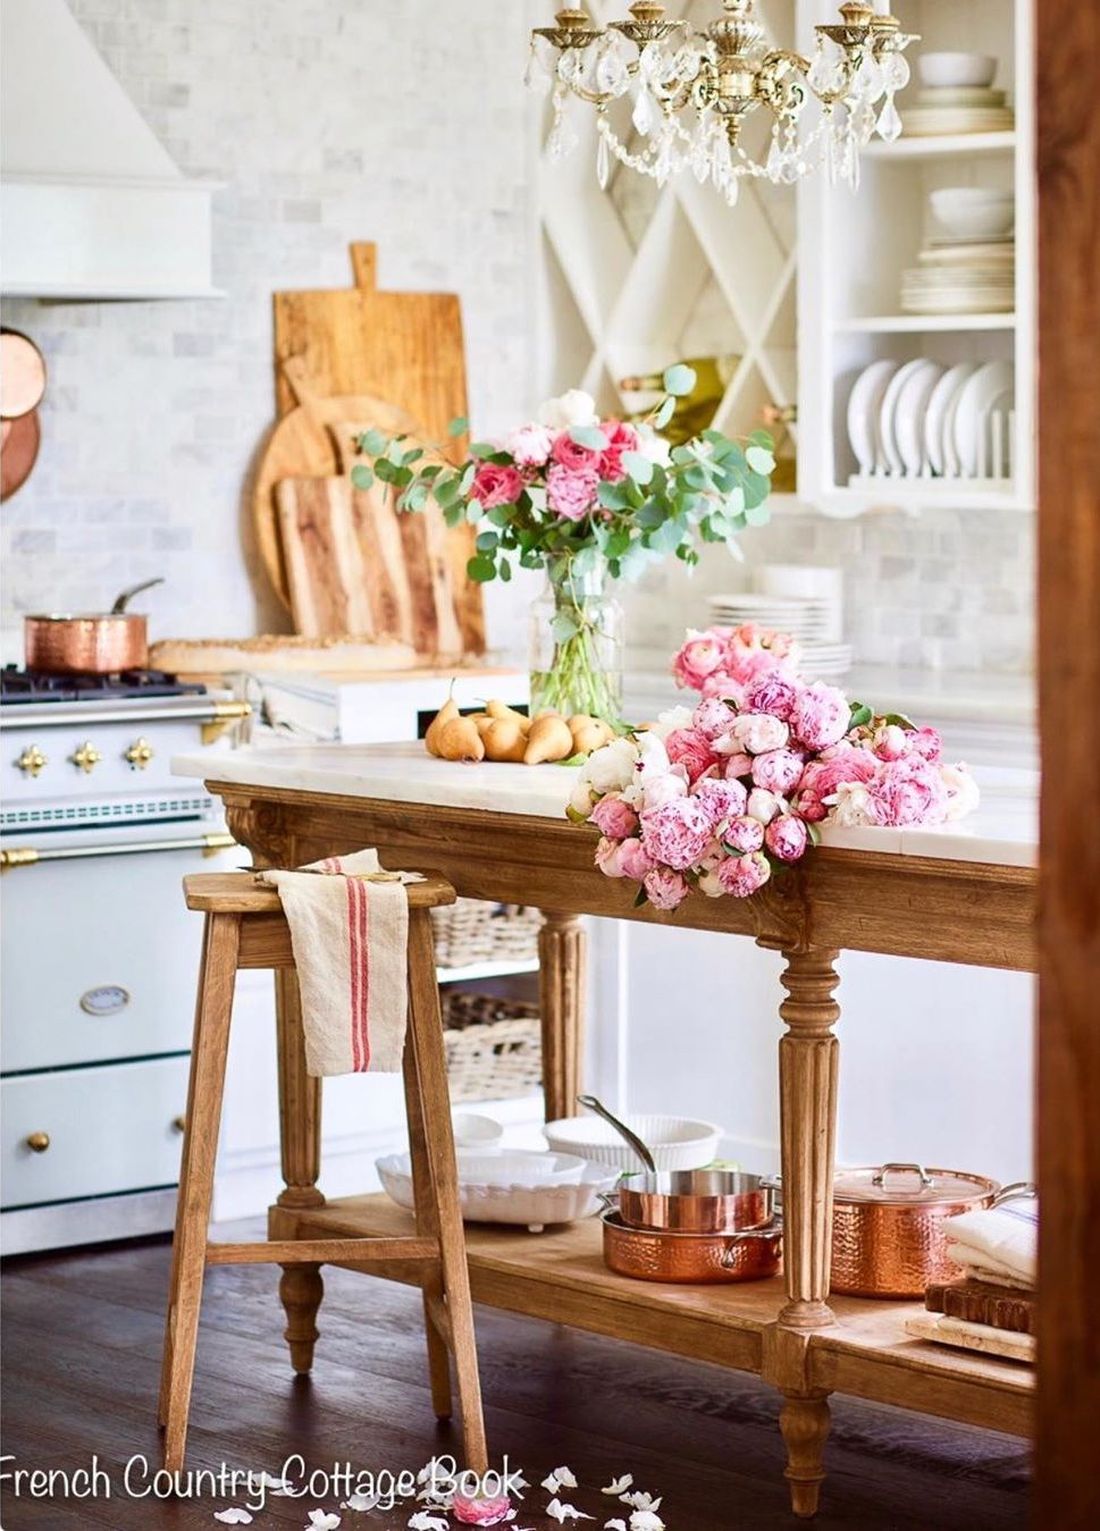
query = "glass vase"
{"x": 577, "y": 647}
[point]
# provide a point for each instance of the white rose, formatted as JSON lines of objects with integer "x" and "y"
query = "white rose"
{"x": 962, "y": 790}
{"x": 655, "y": 447}
{"x": 611, "y": 768}
{"x": 573, "y": 408}
{"x": 763, "y": 805}
{"x": 668, "y": 722}
{"x": 852, "y": 806}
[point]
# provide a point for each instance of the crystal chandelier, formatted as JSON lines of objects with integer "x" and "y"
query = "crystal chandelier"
{"x": 692, "y": 92}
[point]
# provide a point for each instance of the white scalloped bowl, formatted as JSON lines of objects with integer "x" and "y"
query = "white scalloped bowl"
{"x": 518, "y": 1166}
{"x": 676, "y": 1142}
{"x": 526, "y": 1204}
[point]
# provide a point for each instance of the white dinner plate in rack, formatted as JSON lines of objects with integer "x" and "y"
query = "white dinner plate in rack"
{"x": 909, "y": 412}
{"x": 891, "y": 457}
{"x": 997, "y": 435}
{"x": 864, "y": 409}
{"x": 974, "y": 401}
{"x": 937, "y": 413}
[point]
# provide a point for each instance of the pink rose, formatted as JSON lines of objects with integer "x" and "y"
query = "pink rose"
{"x": 786, "y": 837}
{"x": 738, "y": 765}
{"x": 763, "y": 805}
{"x": 608, "y": 857}
{"x": 620, "y": 438}
{"x": 575, "y": 458}
{"x": 742, "y": 875}
{"x": 890, "y": 742}
{"x": 909, "y": 791}
{"x": 677, "y": 832}
{"x": 634, "y": 860}
{"x": 496, "y": 484}
{"x": 571, "y": 495}
{"x": 773, "y": 691}
{"x": 687, "y": 748}
{"x": 759, "y": 732}
{"x": 744, "y": 833}
{"x": 613, "y": 817}
{"x": 665, "y": 889}
{"x": 778, "y": 770}
{"x": 720, "y": 799}
{"x": 721, "y": 686}
{"x": 701, "y": 655}
{"x": 926, "y": 742}
{"x": 486, "y": 1510}
{"x": 530, "y": 445}
{"x": 820, "y": 716}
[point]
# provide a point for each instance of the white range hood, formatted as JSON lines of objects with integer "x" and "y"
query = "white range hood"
{"x": 91, "y": 204}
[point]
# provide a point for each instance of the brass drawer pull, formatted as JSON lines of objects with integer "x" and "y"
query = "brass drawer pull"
{"x": 38, "y": 1142}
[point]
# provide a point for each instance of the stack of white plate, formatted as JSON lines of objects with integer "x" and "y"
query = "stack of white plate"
{"x": 969, "y": 267}
{"x": 921, "y": 419}
{"x": 812, "y": 620}
{"x": 957, "y": 97}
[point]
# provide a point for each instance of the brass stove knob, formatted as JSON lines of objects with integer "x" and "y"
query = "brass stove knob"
{"x": 32, "y": 760}
{"x": 38, "y": 1142}
{"x": 86, "y": 758}
{"x": 139, "y": 754}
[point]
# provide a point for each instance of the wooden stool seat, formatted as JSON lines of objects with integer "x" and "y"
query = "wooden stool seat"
{"x": 246, "y": 928}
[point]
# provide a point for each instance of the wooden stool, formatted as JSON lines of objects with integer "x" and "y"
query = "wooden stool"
{"x": 246, "y": 928}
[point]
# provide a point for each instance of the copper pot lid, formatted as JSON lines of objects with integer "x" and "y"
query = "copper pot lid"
{"x": 909, "y": 1185}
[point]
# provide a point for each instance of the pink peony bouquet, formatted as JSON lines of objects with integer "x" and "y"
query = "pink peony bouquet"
{"x": 719, "y": 796}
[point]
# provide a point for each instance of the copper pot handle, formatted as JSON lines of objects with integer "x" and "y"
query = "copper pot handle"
{"x": 879, "y": 1177}
{"x": 122, "y": 601}
{"x": 729, "y": 1255}
{"x": 1019, "y": 1190}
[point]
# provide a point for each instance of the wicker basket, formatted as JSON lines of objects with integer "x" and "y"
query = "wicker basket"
{"x": 471, "y": 930}
{"x": 494, "y": 1046}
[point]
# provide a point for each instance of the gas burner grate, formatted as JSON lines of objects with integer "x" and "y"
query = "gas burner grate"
{"x": 18, "y": 685}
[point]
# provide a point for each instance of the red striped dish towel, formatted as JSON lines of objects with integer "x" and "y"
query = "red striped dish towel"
{"x": 349, "y": 929}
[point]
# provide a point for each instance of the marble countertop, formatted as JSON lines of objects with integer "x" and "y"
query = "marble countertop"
{"x": 1003, "y": 831}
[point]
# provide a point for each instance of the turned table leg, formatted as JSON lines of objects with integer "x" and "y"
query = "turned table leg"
{"x": 301, "y": 1287}
{"x": 804, "y": 1423}
{"x": 562, "y": 943}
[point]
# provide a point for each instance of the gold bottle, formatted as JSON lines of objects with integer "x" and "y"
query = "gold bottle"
{"x": 696, "y": 410}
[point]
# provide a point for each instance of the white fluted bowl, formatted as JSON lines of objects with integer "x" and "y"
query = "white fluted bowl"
{"x": 676, "y": 1142}
{"x": 530, "y": 1203}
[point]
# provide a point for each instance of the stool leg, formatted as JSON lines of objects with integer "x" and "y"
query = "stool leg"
{"x": 300, "y": 1288}
{"x": 426, "y": 1041}
{"x": 300, "y": 1292}
{"x": 427, "y": 1224}
{"x": 200, "y": 1144}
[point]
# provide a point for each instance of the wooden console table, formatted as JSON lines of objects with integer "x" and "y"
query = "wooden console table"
{"x": 498, "y": 832}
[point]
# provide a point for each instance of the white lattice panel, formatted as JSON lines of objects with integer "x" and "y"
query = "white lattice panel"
{"x": 635, "y": 276}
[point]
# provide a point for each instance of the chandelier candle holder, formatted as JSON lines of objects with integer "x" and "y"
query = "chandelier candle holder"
{"x": 692, "y": 92}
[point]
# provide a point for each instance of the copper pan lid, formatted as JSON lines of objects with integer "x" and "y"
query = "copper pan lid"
{"x": 910, "y": 1185}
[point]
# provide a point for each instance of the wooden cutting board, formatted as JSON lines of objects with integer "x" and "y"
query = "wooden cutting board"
{"x": 400, "y": 346}
{"x": 982, "y": 1303}
{"x": 354, "y": 564}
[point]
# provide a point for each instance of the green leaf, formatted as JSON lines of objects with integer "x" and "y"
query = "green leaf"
{"x": 482, "y": 569}
{"x": 899, "y": 720}
{"x": 486, "y": 542}
{"x": 760, "y": 460}
{"x": 664, "y": 413}
{"x": 613, "y": 496}
{"x": 763, "y": 439}
{"x": 416, "y": 497}
{"x": 650, "y": 515}
{"x": 413, "y": 455}
{"x": 859, "y": 715}
{"x": 384, "y": 469}
{"x": 373, "y": 442}
{"x": 679, "y": 380}
{"x": 588, "y": 436}
{"x": 638, "y": 466}
{"x": 667, "y": 537}
{"x": 564, "y": 626}
{"x": 504, "y": 570}
{"x": 448, "y": 490}
{"x": 617, "y": 543}
{"x": 757, "y": 515}
{"x": 362, "y": 476}
{"x": 458, "y": 426}
{"x": 454, "y": 515}
{"x": 640, "y": 897}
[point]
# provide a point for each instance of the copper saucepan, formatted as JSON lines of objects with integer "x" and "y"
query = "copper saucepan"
{"x": 97, "y": 644}
{"x": 691, "y": 1257}
{"x": 889, "y": 1238}
{"x": 697, "y": 1201}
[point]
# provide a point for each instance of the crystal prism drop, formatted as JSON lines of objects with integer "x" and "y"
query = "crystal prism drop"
{"x": 773, "y": 166}
{"x": 889, "y": 123}
{"x": 612, "y": 77}
{"x": 603, "y": 162}
{"x": 537, "y": 76}
{"x": 645, "y": 115}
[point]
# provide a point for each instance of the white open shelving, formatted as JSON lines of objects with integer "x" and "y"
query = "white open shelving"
{"x": 855, "y": 246}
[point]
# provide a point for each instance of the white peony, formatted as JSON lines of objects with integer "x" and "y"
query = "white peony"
{"x": 611, "y": 768}
{"x": 668, "y": 722}
{"x": 573, "y": 408}
{"x": 711, "y": 885}
{"x": 962, "y": 790}
{"x": 763, "y": 805}
{"x": 852, "y": 806}
{"x": 652, "y": 755}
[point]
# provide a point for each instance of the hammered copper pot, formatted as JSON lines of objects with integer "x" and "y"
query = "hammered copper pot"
{"x": 690, "y": 1257}
{"x": 99, "y": 643}
{"x": 889, "y": 1238}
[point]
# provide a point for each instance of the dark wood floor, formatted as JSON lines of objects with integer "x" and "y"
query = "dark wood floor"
{"x": 81, "y": 1342}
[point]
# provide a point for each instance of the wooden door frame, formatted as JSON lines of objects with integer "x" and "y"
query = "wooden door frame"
{"x": 1067, "y": 1489}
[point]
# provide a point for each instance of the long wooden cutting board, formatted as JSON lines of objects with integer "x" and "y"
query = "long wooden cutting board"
{"x": 406, "y": 347}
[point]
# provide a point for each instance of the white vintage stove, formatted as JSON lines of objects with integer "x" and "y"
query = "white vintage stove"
{"x": 99, "y": 953}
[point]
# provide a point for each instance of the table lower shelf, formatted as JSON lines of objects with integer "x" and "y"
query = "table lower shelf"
{"x": 559, "y": 1275}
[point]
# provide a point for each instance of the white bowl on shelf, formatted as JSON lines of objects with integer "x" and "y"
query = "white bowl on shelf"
{"x": 520, "y": 1202}
{"x": 471, "y": 1131}
{"x": 676, "y": 1142}
{"x": 974, "y": 212}
{"x": 955, "y": 69}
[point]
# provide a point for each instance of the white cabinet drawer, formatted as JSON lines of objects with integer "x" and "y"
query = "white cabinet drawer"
{"x": 109, "y": 1129}
{"x": 117, "y": 976}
